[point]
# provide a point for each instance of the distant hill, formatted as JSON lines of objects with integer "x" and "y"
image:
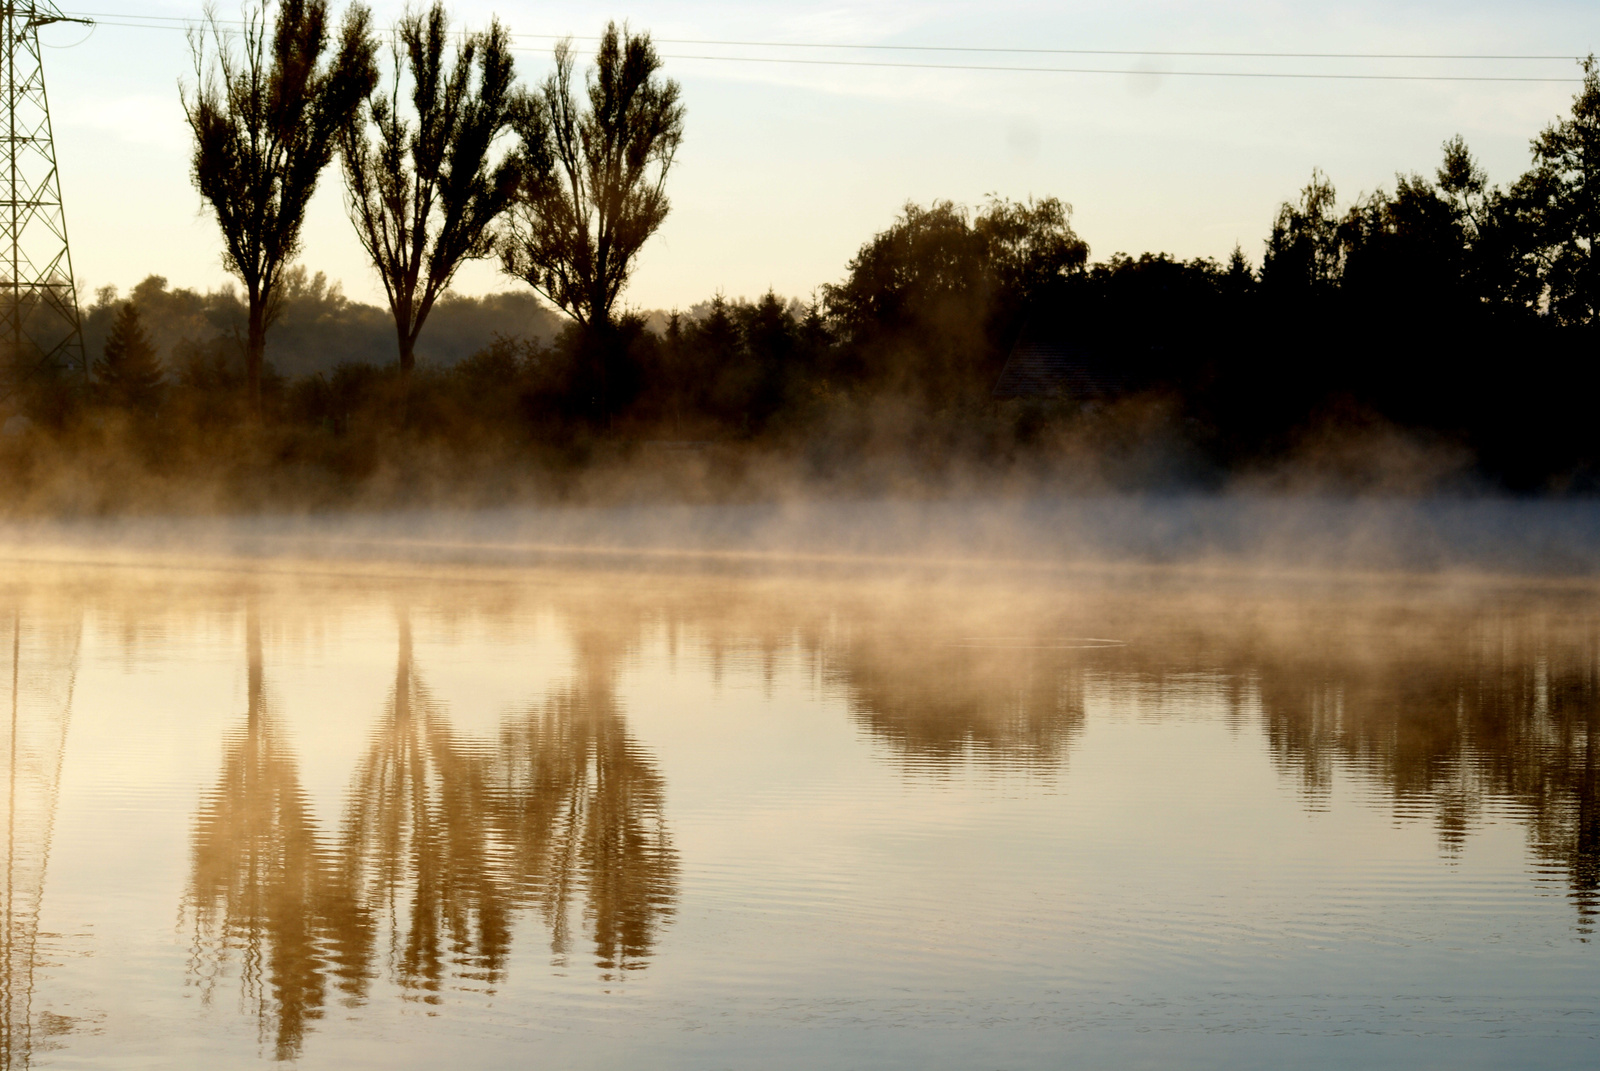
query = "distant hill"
{"x": 319, "y": 328}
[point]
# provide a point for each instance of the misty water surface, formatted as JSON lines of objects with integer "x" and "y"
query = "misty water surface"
{"x": 492, "y": 818}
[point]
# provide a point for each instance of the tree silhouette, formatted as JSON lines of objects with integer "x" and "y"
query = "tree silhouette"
{"x": 1408, "y": 251}
{"x": 928, "y": 266}
{"x": 1303, "y": 254}
{"x": 1031, "y": 245}
{"x": 129, "y": 373}
{"x": 264, "y": 113}
{"x": 1464, "y": 183}
{"x": 926, "y": 303}
{"x": 1565, "y": 184}
{"x": 575, "y": 231}
{"x": 422, "y": 188}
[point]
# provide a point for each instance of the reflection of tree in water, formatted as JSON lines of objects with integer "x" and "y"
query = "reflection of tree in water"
{"x": 1006, "y": 701}
{"x": 418, "y": 842}
{"x": 1453, "y": 702}
{"x": 582, "y": 807}
{"x": 1483, "y": 711}
{"x": 263, "y": 888}
{"x": 1452, "y": 708}
{"x": 563, "y": 806}
{"x": 40, "y": 668}
{"x": 938, "y": 687}
{"x": 444, "y": 840}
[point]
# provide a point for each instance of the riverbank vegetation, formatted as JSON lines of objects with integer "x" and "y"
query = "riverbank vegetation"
{"x": 1439, "y": 334}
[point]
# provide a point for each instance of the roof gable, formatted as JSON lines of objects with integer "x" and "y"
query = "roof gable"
{"x": 1052, "y": 368}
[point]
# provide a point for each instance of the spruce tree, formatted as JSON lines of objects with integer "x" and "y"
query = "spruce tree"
{"x": 128, "y": 374}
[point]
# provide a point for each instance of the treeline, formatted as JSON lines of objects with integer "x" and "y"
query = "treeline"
{"x": 1448, "y": 325}
{"x": 318, "y": 328}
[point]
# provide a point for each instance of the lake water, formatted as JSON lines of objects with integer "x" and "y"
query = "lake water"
{"x": 484, "y": 817}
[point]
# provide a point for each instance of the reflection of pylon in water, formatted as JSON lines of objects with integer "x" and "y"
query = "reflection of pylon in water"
{"x": 43, "y": 665}
{"x": 40, "y": 329}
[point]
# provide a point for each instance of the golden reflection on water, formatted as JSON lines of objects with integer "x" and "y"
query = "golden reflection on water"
{"x": 1450, "y": 702}
{"x": 1451, "y": 714}
{"x": 1020, "y": 702}
{"x": 264, "y": 887}
{"x": 1450, "y": 698}
{"x": 444, "y": 841}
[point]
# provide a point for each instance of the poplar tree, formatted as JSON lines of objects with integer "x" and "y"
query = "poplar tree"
{"x": 594, "y": 185}
{"x": 423, "y": 188}
{"x": 264, "y": 111}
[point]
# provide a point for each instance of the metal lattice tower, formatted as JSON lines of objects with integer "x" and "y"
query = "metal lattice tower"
{"x": 39, "y": 324}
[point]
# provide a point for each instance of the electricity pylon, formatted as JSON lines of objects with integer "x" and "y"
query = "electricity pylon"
{"x": 40, "y": 328}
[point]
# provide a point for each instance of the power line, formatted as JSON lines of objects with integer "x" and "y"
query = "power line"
{"x": 1151, "y": 73}
{"x": 965, "y": 48}
{"x": 167, "y": 22}
{"x": 1083, "y": 51}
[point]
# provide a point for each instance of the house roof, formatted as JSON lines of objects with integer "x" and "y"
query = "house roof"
{"x": 1041, "y": 367}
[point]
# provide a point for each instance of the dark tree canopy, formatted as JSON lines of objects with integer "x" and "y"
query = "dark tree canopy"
{"x": 929, "y": 266}
{"x": 1303, "y": 254}
{"x": 423, "y": 187}
{"x": 129, "y": 373}
{"x": 594, "y": 186}
{"x": 1407, "y": 249}
{"x": 1564, "y": 188}
{"x": 1031, "y": 245}
{"x": 927, "y": 303}
{"x": 934, "y": 262}
{"x": 264, "y": 113}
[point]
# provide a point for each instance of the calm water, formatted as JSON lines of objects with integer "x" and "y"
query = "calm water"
{"x": 565, "y": 819}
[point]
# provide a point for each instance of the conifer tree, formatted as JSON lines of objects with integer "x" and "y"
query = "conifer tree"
{"x": 128, "y": 374}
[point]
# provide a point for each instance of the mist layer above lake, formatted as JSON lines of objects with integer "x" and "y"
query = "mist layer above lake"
{"x": 629, "y": 818}
{"x": 880, "y": 536}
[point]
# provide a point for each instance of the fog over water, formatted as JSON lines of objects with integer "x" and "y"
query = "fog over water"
{"x": 1495, "y": 535}
{"x": 1134, "y": 782}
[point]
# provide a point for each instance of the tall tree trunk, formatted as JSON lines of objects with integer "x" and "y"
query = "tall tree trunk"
{"x": 255, "y": 355}
{"x": 408, "y": 352}
{"x": 408, "y": 361}
{"x": 600, "y": 342}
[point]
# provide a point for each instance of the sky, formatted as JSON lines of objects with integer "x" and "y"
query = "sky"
{"x": 786, "y": 169}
